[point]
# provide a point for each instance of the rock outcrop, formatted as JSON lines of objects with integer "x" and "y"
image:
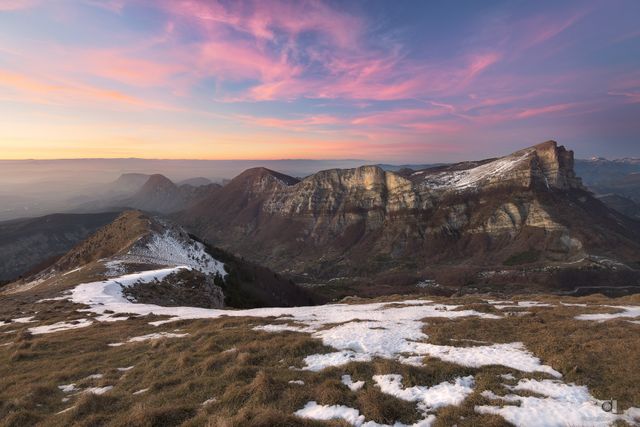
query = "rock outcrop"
{"x": 368, "y": 220}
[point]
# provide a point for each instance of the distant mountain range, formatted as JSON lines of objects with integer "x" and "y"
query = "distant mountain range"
{"x": 523, "y": 221}
{"x": 616, "y": 182}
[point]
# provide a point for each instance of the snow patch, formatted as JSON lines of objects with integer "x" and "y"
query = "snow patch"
{"x": 172, "y": 249}
{"x": 29, "y": 319}
{"x": 522, "y": 304}
{"x": 60, "y": 298}
{"x": 98, "y": 390}
{"x": 362, "y": 331}
{"x": 318, "y": 362}
{"x": 472, "y": 178}
{"x": 628, "y": 311}
{"x": 148, "y": 337}
{"x": 67, "y": 388}
{"x": 563, "y": 405}
{"x": 351, "y": 415}
{"x": 427, "y": 398}
{"x": 209, "y": 401}
{"x": 73, "y": 271}
{"x": 60, "y": 326}
{"x": 331, "y": 412}
{"x": 353, "y": 386}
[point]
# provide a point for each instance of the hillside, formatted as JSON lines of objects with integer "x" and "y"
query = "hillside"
{"x": 28, "y": 244}
{"x": 456, "y": 223}
{"x": 137, "y": 244}
{"x": 616, "y": 182}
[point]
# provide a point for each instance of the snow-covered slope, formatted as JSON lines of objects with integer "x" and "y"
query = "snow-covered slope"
{"x": 395, "y": 331}
{"x": 172, "y": 248}
{"x": 469, "y": 178}
{"x": 133, "y": 242}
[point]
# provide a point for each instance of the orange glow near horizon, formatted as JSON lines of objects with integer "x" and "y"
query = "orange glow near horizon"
{"x": 278, "y": 79}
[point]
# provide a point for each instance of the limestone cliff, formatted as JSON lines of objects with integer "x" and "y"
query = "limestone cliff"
{"x": 368, "y": 219}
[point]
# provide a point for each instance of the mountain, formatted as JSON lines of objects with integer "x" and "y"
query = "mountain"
{"x": 396, "y": 168}
{"x": 451, "y": 222}
{"x": 28, "y": 244}
{"x": 138, "y": 244}
{"x": 622, "y": 204}
{"x": 127, "y": 183}
{"x": 616, "y": 182}
{"x": 158, "y": 194}
{"x": 599, "y": 171}
{"x": 195, "y": 182}
{"x": 152, "y": 193}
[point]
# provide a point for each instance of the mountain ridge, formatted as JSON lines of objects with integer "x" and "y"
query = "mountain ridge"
{"x": 368, "y": 221}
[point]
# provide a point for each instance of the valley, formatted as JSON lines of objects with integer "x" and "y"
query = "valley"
{"x": 454, "y": 295}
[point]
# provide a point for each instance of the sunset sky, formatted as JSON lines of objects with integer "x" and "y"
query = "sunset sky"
{"x": 392, "y": 81}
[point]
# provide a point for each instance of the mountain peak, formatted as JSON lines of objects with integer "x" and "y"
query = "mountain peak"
{"x": 258, "y": 172}
{"x": 260, "y": 179}
{"x": 128, "y": 183}
{"x": 556, "y": 165}
{"x": 158, "y": 181}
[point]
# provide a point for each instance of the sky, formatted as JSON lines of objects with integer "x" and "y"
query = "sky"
{"x": 389, "y": 81}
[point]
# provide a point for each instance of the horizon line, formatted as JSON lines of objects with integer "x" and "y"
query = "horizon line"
{"x": 182, "y": 159}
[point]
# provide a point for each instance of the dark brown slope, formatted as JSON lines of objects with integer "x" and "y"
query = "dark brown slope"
{"x": 621, "y": 204}
{"x": 135, "y": 241}
{"x": 370, "y": 222}
{"x": 28, "y": 244}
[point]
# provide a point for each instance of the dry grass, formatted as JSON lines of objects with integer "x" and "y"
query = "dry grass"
{"x": 604, "y": 356}
{"x": 247, "y": 372}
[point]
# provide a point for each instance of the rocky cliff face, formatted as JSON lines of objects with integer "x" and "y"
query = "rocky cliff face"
{"x": 370, "y": 220}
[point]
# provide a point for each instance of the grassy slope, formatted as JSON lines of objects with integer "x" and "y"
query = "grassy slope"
{"x": 248, "y": 372}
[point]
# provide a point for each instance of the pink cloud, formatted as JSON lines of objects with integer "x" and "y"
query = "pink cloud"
{"x": 115, "y": 65}
{"x": 531, "y": 112}
{"x": 352, "y": 69}
{"x": 298, "y": 125}
{"x": 376, "y": 78}
{"x": 12, "y": 5}
{"x": 480, "y": 63}
{"x": 540, "y": 29}
{"x": 46, "y": 91}
{"x": 398, "y": 116}
{"x": 263, "y": 19}
{"x": 630, "y": 97}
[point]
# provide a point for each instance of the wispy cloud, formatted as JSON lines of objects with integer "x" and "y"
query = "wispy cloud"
{"x": 12, "y": 5}
{"x": 315, "y": 72}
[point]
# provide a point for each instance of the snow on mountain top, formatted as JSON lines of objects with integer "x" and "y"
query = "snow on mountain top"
{"x": 468, "y": 178}
{"x": 172, "y": 249}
